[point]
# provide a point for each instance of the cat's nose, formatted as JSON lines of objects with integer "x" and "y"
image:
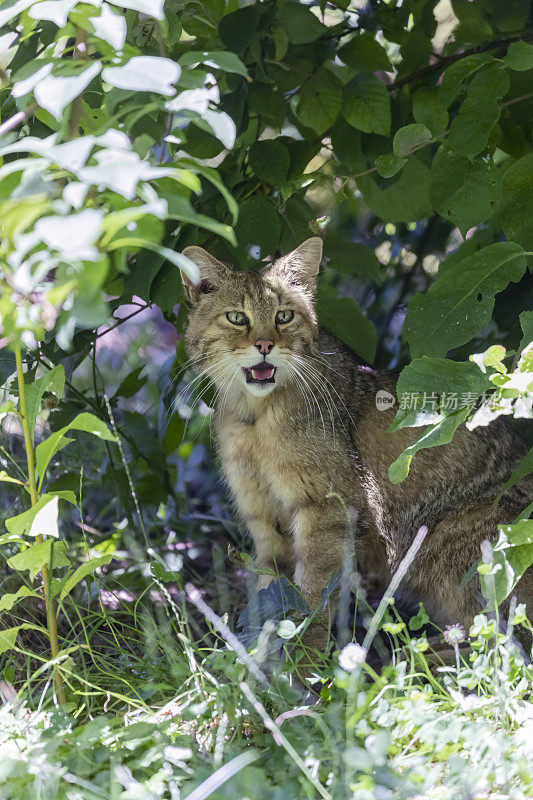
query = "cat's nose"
{"x": 264, "y": 346}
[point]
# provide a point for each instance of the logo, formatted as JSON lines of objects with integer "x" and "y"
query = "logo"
{"x": 384, "y": 400}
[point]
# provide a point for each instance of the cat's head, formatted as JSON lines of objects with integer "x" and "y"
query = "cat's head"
{"x": 248, "y": 331}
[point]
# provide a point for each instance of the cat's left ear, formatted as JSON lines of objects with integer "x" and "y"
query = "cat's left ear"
{"x": 301, "y": 266}
{"x": 212, "y": 273}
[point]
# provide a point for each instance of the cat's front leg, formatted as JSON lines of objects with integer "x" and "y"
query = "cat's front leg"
{"x": 273, "y": 548}
{"x": 320, "y": 532}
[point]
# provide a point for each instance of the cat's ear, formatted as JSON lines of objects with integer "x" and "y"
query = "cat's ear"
{"x": 301, "y": 266}
{"x": 212, "y": 273}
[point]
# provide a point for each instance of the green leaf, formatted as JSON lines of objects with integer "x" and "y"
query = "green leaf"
{"x": 352, "y": 258}
{"x": 404, "y": 200}
{"x": 270, "y": 161}
{"x": 462, "y": 191}
{"x": 54, "y": 382}
{"x": 389, "y": 164}
{"x": 459, "y": 303}
{"x": 39, "y": 519}
{"x": 526, "y": 323}
{"x": 300, "y": 23}
{"x": 440, "y": 377}
{"x": 7, "y": 601}
{"x": 409, "y": 139}
{"x": 258, "y": 226}
{"x": 87, "y": 568}
{"x": 33, "y": 558}
{"x": 366, "y": 104}
{"x": 343, "y": 317}
{"x": 237, "y": 28}
{"x": 519, "y": 56}
{"x": 471, "y": 128}
{"x": 180, "y": 208}
{"x": 513, "y": 555}
{"x": 363, "y": 52}
{"x": 85, "y": 422}
{"x": 319, "y": 104}
{"x": 219, "y": 59}
{"x": 440, "y": 433}
{"x": 213, "y": 177}
{"x": 429, "y": 111}
{"x": 132, "y": 383}
{"x": 457, "y": 74}
{"x": 516, "y": 210}
{"x": 8, "y": 636}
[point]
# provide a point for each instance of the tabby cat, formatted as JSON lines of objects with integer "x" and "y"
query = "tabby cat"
{"x": 302, "y": 440}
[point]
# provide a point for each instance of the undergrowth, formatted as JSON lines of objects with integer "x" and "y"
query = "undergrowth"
{"x": 162, "y": 702}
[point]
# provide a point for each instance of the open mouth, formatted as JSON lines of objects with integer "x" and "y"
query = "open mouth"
{"x": 260, "y": 373}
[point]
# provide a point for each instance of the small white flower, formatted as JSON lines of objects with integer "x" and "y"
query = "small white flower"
{"x": 352, "y": 656}
{"x": 454, "y": 634}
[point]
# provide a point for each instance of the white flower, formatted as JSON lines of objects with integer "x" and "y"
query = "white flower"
{"x": 454, "y": 634}
{"x": 352, "y": 656}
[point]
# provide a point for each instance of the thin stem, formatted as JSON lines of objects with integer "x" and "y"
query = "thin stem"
{"x": 17, "y": 118}
{"x": 49, "y": 603}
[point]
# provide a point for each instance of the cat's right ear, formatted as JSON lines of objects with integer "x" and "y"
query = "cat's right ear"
{"x": 212, "y": 272}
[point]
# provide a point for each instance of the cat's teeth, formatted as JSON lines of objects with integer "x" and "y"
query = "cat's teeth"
{"x": 263, "y": 374}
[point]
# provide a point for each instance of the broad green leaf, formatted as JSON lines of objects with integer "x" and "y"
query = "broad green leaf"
{"x": 219, "y": 59}
{"x": 85, "y": 422}
{"x": 409, "y": 139}
{"x": 33, "y": 558}
{"x": 213, "y": 177}
{"x": 459, "y": 303}
{"x": 8, "y": 600}
{"x": 8, "y": 638}
{"x": 519, "y": 56}
{"x": 270, "y": 161}
{"x": 389, "y": 164}
{"x": 516, "y": 210}
{"x": 513, "y": 555}
{"x": 54, "y": 92}
{"x": 429, "y": 111}
{"x": 132, "y": 383}
{"x": 352, "y": 258}
{"x": 87, "y": 568}
{"x": 42, "y": 515}
{"x": 54, "y": 382}
{"x": 299, "y": 22}
{"x": 440, "y": 433}
{"x": 319, "y": 104}
{"x": 343, "y": 317}
{"x": 457, "y": 74}
{"x": 471, "y": 128}
{"x": 363, "y": 52}
{"x": 404, "y": 200}
{"x": 366, "y": 104}
{"x": 453, "y": 383}
{"x": 463, "y": 191}
{"x": 258, "y": 226}
{"x": 178, "y": 207}
{"x": 237, "y": 28}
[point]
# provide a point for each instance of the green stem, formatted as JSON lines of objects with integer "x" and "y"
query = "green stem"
{"x": 28, "y": 444}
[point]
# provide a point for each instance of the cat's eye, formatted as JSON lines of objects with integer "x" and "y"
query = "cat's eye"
{"x": 282, "y": 317}
{"x": 237, "y": 317}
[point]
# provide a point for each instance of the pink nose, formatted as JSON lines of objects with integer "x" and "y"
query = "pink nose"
{"x": 264, "y": 346}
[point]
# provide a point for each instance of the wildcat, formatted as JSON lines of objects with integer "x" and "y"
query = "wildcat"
{"x": 301, "y": 441}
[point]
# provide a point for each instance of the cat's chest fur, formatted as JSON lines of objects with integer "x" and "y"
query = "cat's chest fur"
{"x": 269, "y": 454}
